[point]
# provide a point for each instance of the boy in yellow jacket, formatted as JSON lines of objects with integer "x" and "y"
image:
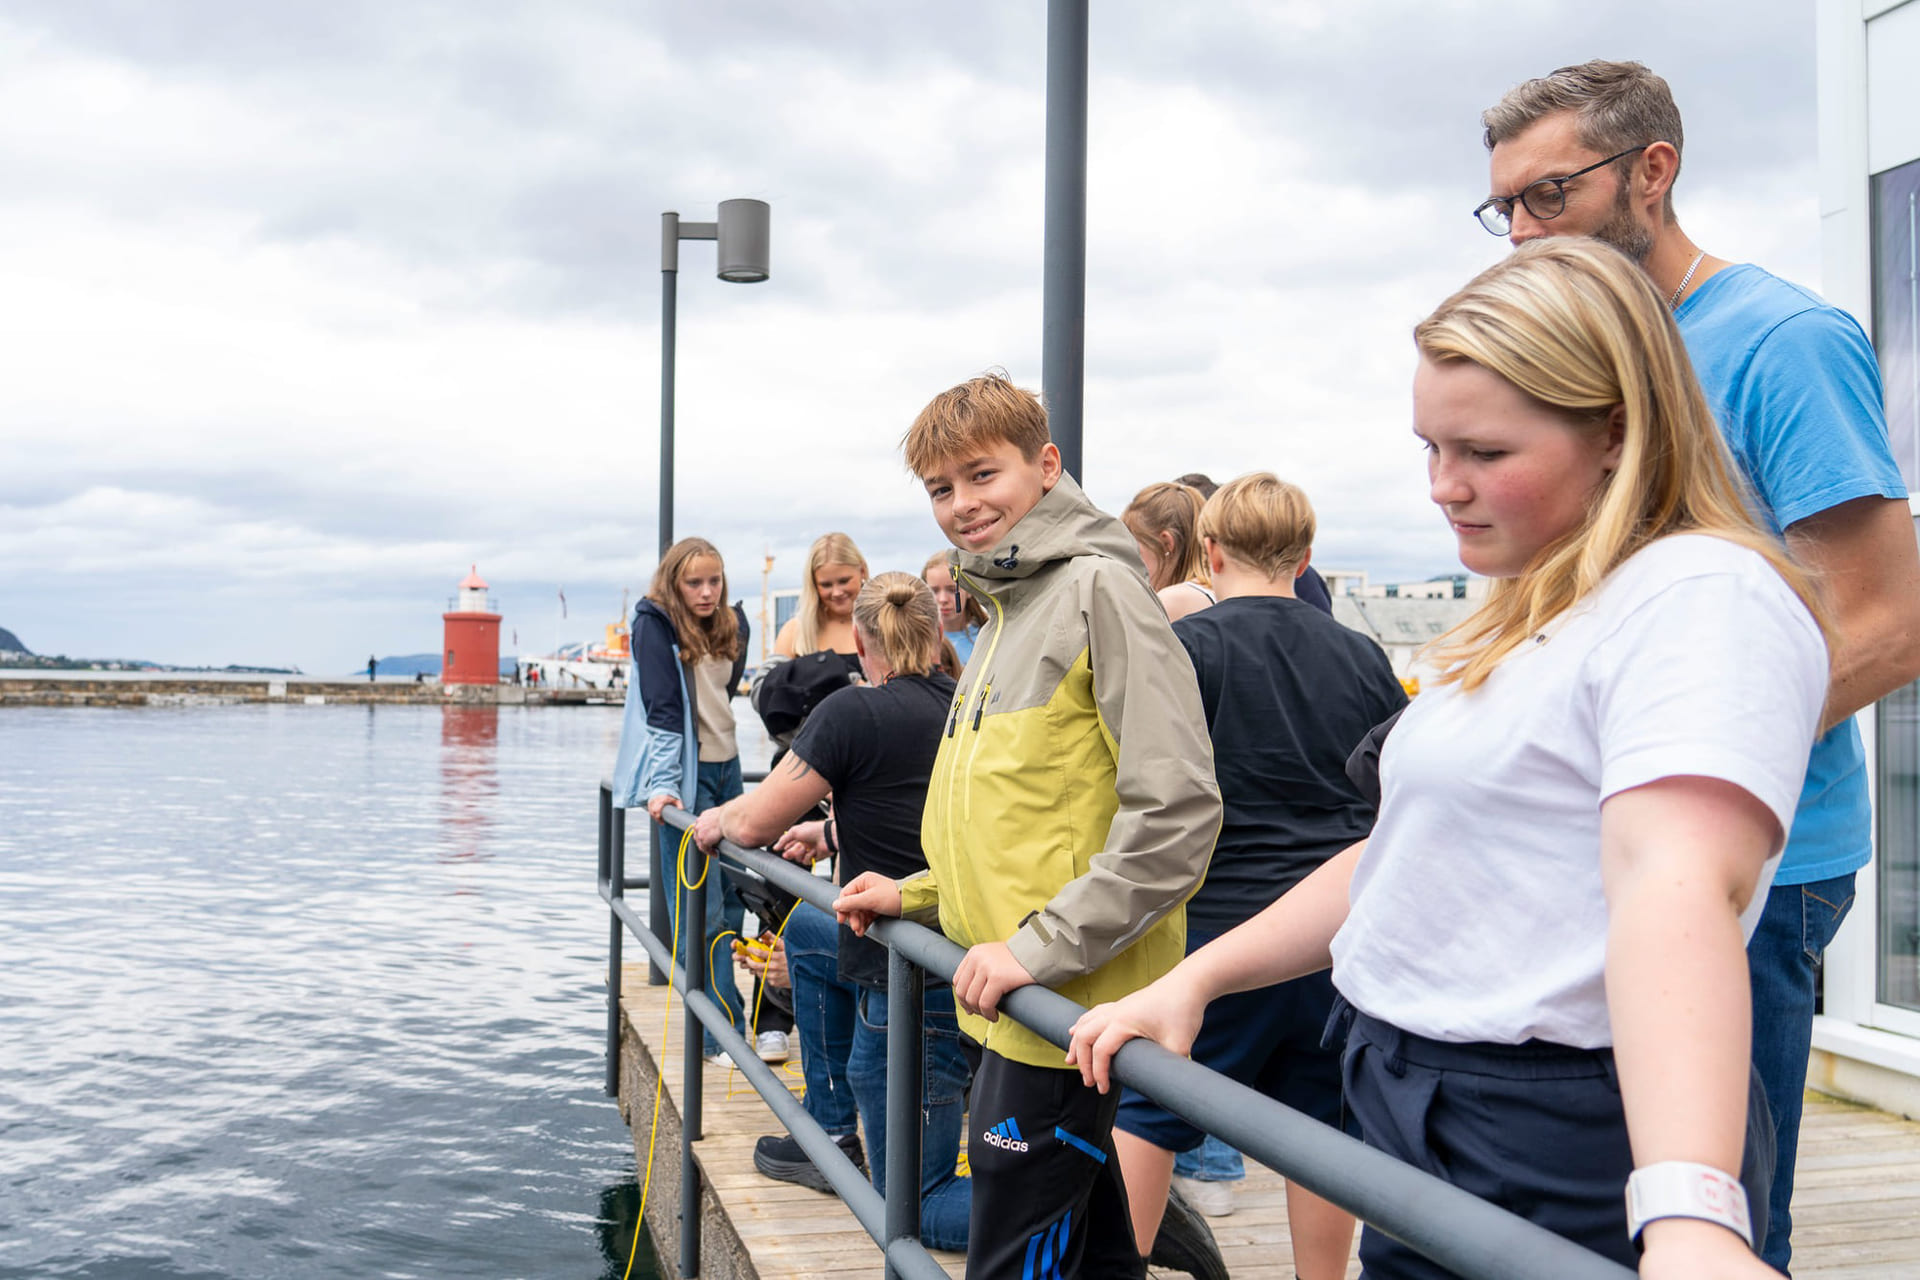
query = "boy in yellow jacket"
{"x": 1071, "y": 813}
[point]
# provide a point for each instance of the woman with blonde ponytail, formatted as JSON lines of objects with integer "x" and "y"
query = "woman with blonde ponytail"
{"x": 1540, "y": 951}
{"x": 871, "y": 747}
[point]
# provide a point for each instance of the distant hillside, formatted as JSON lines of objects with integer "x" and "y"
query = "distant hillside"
{"x": 10, "y": 643}
{"x": 413, "y": 664}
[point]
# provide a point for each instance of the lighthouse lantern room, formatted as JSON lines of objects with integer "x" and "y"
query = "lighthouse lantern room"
{"x": 470, "y": 653}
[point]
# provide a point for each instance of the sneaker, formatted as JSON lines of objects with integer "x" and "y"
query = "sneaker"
{"x": 1186, "y": 1243}
{"x": 771, "y": 1046}
{"x": 1215, "y": 1199}
{"x": 783, "y": 1160}
{"x": 720, "y": 1060}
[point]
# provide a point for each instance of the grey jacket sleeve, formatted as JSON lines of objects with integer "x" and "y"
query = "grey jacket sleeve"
{"x": 1162, "y": 834}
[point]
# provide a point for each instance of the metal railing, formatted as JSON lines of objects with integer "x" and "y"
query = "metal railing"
{"x": 1454, "y": 1228}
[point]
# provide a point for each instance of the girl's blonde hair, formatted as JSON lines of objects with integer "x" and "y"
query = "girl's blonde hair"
{"x": 1169, "y": 507}
{"x": 897, "y": 614}
{"x": 974, "y": 613}
{"x": 715, "y": 636}
{"x": 1579, "y": 328}
{"x": 828, "y": 548}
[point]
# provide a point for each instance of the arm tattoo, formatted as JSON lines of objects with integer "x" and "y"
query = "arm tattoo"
{"x": 797, "y": 767}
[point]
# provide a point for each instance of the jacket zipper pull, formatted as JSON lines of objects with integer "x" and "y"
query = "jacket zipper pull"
{"x": 953, "y": 719}
{"x": 980, "y": 708}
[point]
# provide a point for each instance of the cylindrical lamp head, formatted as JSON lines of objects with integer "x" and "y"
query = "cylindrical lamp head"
{"x": 745, "y": 232}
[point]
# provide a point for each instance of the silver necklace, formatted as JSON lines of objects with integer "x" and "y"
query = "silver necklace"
{"x": 1686, "y": 279}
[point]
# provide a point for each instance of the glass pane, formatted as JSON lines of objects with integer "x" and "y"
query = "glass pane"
{"x": 1896, "y": 308}
{"x": 1898, "y": 858}
{"x": 1896, "y": 336}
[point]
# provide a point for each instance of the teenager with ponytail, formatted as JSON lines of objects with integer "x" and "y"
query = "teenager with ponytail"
{"x": 872, "y": 748}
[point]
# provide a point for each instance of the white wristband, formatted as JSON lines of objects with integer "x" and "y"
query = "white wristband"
{"x": 1679, "y": 1189}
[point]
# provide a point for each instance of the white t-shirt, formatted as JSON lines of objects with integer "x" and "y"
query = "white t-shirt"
{"x": 1477, "y": 910}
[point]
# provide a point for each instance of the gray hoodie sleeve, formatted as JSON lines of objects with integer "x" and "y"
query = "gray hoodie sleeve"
{"x": 1162, "y": 835}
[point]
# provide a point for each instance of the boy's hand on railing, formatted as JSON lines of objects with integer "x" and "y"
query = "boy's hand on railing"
{"x": 804, "y": 843}
{"x": 1159, "y": 1012}
{"x": 657, "y": 805}
{"x": 869, "y": 896}
{"x": 986, "y": 973}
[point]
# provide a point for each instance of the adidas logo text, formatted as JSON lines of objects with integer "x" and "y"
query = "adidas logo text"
{"x": 1006, "y": 1136}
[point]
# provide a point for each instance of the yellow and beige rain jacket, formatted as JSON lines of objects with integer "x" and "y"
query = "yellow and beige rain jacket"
{"x": 1073, "y": 808}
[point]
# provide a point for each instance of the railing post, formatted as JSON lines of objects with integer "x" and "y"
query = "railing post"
{"x": 613, "y": 873}
{"x": 693, "y": 928}
{"x": 660, "y": 883}
{"x": 906, "y": 1086}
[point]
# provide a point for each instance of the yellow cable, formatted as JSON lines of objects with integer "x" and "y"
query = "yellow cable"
{"x": 659, "y": 1075}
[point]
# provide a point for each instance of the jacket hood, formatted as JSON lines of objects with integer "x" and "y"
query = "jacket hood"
{"x": 1063, "y": 525}
{"x": 646, "y": 607}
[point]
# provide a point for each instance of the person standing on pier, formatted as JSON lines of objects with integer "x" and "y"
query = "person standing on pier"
{"x": 1287, "y": 692}
{"x": 1539, "y": 950}
{"x": 1071, "y": 813}
{"x": 1594, "y": 150}
{"x": 872, "y": 746}
{"x": 677, "y": 744}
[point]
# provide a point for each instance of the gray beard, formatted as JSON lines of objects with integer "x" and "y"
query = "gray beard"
{"x": 1623, "y": 231}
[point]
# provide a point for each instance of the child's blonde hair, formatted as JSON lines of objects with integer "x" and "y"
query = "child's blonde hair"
{"x": 1575, "y": 325}
{"x": 977, "y": 414}
{"x": 897, "y": 614}
{"x": 828, "y": 548}
{"x": 1171, "y": 508}
{"x": 1261, "y": 521}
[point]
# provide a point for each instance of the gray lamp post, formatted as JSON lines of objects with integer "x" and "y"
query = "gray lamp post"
{"x": 743, "y": 232}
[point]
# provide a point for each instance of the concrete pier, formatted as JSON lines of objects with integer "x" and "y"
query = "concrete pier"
{"x": 201, "y": 691}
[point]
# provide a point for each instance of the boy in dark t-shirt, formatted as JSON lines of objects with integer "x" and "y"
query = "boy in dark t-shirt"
{"x": 1288, "y": 692}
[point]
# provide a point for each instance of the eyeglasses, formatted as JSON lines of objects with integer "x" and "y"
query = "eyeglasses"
{"x": 1545, "y": 199}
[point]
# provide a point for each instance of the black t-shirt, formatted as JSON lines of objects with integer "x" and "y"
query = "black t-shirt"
{"x": 875, "y": 744}
{"x": 1288, "y": 694}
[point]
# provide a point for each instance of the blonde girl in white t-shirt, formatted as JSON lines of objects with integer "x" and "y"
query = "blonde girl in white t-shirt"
{"x": 1542, "y": 943}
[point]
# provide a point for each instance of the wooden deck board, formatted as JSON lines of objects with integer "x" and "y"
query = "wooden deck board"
{"x": 1856, "y": 1204}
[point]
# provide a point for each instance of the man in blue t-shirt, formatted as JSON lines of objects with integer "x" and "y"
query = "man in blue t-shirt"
{"x": 1594, "y": 150}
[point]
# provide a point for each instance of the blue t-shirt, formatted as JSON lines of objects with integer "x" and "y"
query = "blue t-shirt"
{"x": 963, "y": 641}
{"x": 1795, "y": 387}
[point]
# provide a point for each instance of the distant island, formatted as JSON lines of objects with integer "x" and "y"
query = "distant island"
{"x": 15, "y": 654}
{"x": 423, "y": 664}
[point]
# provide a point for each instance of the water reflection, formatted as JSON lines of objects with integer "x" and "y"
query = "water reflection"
{"x": 619, "y": 1215}
{"x": 469, "y": 784}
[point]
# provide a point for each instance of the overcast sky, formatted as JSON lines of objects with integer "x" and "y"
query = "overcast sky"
{"x": 307, "y": 307}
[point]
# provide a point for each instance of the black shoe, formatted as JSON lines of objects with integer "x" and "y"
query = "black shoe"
{"x": 784, "y": 1160}
{"x": 1186, "y": 1243}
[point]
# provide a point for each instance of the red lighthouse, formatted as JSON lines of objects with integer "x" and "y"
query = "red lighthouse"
{"x": 471, "y": 651}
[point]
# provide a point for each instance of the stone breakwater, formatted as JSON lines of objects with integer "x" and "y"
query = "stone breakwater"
{"x": 185, "y": 691}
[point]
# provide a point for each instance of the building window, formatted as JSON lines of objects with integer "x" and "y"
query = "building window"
{"x": 1896, "y": 337}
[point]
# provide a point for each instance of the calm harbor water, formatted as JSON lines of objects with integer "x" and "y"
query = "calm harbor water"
{"x": 294, "y": 991}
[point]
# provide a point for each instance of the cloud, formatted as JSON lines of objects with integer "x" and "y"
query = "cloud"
{"x": 313, "y": 306}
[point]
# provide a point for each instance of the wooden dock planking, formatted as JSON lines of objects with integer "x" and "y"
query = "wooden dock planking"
{"x": 1856, "y": 1204}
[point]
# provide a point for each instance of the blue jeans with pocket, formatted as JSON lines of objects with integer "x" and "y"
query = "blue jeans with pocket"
{"x": 946, "y": 1198}
{"x": 1783, "y": 963}
{"x": 719, "y": 782}
{"x": 823, "y": 1018}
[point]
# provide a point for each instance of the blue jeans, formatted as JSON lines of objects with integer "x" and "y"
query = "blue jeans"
{"x": 1783, "y": 961}
{"x": 1211, "y": 1161}
{"x": 946, "y": 1199}
{"x": 718, "y": 783}
{"x": 823, "y": 1017}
